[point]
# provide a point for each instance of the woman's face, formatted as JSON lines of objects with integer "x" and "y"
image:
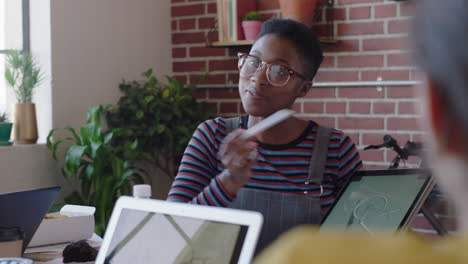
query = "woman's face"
{"x": 258, "y": 96}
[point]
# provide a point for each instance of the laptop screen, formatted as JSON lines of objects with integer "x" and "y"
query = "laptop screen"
{"x": 26, "y": 209}
{"x": 196, "y": 234}
{"x": 175, "y": 239}
{"x": 379, "y": 200}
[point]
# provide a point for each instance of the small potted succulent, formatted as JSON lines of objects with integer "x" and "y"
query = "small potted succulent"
{"x": 251, "y": 23}
{"x": 5, "y": 130}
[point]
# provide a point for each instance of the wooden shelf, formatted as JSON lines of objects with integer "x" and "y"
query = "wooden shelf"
{"x": 232, "y": 43}
{"x": 239, "y": 43}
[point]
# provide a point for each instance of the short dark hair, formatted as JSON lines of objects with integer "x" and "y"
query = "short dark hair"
{"x": 303, "y": 38}
{"x": 440, "y": 46}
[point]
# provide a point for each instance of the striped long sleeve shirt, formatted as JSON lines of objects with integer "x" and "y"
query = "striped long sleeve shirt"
{"x": 280, "y": 168}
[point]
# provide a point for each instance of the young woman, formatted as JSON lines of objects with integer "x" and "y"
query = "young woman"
{"x": 222, "y": 168}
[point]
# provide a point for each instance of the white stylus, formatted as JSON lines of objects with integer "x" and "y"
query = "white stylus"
{"x": 268, "y": 122}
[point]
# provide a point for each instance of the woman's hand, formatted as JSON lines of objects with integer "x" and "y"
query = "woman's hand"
{"x": 238, "y": 155}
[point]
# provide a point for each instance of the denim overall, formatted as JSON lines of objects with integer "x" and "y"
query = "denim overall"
{"x": 282, "y": 211}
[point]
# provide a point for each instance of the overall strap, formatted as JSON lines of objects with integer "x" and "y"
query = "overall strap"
{"x": 319, "y": 157}
{"x": 231, "y": 124}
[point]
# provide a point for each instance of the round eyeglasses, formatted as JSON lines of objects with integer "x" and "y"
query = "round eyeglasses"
{"x": 277, "y": 74}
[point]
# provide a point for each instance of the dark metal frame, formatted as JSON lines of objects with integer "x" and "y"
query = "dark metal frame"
{"x": 26, "y": 35}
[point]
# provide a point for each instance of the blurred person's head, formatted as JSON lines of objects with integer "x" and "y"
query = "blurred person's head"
{"x": 441, "y": 41}
{"x": 291, "y": 54}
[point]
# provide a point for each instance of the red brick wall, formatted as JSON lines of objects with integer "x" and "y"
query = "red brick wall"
{"x": 371, "y": 46}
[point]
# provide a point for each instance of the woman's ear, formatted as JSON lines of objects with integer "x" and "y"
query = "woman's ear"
{"x": 305, "y": 87}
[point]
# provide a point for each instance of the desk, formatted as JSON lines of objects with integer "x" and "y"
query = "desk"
{"x": 52, "y": 254}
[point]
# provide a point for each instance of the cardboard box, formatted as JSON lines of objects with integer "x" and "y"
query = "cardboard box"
{"x": 74, "y": 222}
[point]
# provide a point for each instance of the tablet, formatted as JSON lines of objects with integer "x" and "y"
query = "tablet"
{"x": 379, "y": 200}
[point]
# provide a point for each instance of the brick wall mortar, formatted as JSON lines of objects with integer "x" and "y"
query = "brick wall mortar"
{"x": 200, "y": 58}
{"x": 373, "y": 52}
{"x": 189, "y": 45}
{"x": 194, "y": 30}
{"x": 357, "y": 100}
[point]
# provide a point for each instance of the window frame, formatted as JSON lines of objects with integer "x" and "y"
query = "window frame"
{"x": 26, "y": 26}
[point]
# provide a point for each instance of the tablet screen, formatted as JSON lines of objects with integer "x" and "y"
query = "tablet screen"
{"x": 380, "y": 201}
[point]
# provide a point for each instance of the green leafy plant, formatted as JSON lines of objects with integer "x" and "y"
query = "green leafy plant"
{"x": 160, "y": 116}
{"x": 252, "y": 16}
{"x": 3, "y": 117}
{"x": 105, "y": 171}
{"x": 23, "y": 74}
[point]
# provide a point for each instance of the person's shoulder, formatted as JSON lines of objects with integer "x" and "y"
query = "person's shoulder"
{"x": 455, "y": 245}
{"x": 214, "y": 121}
{"x": 212, "y": 124}
{"x": 216, "y": 125}
{"x": 303, "y": 244}
{"x": 335, "y": 134}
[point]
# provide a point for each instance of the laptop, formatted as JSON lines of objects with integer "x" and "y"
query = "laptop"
{"x": 155, "y": 231}
{"x": 379, "y": 200}
{"x": 26, "y": 210}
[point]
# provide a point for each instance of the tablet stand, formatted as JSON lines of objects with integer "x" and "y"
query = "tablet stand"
{"x": 426, "y": 211}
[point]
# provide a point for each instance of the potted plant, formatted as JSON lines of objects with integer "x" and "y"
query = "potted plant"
{"x": 23, "y": 74}
{"x": 299, "y": 10}
{"x": 162, "y": 116}
{"x": 105, "y": 171}
{"x": 5, "y": 130}
{"x": 252, "y": 23}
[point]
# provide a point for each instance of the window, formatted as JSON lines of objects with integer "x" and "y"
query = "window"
{"x": 14, "y": 34}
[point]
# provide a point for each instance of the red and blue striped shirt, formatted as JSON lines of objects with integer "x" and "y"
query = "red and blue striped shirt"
{"x": 280, "y": 168}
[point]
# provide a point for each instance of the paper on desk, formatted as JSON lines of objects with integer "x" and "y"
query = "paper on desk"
{"x": 78, "y": 225}
{"x": 94, "y": 241}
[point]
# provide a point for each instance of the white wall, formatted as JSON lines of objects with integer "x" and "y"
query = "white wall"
{"x": 94, "y": 45}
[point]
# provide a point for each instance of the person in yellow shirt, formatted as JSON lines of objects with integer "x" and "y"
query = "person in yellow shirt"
{"x": 440, "y": 44}
{"x": 306, "y": 245}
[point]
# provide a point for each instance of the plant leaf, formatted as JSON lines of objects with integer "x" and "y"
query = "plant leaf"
{"x": 134, "y": 145}
{"x": 90, "y": 172}
{"x": 73, "y": 158}
{"x": 139, "y": 115}
{"x": 148, "y": 73}
{"x": 49, "y": 138}
{"x": 95, "y": 146}
{"x": 119, "y": 131}
{"x": 72, "y": 130}
{"x": 85, "y": 188}
{"x": 108, "y": 137}
{"x": 166, "y": 93}
{"x": 148, "y": 99}
{"x": 160, "y": 128}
